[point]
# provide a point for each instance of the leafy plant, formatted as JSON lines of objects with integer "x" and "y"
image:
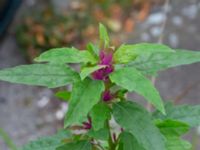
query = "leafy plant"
{"x": 98, "y": 106}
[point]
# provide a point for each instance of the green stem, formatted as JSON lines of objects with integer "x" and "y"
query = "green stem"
{"x": 112, "y": 144}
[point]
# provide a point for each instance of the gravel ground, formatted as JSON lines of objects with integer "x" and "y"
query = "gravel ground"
{"x": 28, "y": 112}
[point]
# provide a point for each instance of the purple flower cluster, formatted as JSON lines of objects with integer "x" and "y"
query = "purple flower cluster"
{"x": 105, "y": 59}
{"x": 102, "y": 74}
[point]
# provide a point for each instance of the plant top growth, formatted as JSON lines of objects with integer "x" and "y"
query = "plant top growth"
{"x": 100, "y": 117}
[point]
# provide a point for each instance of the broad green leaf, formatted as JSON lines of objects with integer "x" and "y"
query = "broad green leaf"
{"x": 40, "y": 74}
{"x": 99, "y": 114}
{"x": 66, "y": 55}
{"x": 132, "y": 80}
{"x": 103, "y": 34}
{"x": 185, "y": 113}
{"x": 79, "y": 145}
{"x": 153, "y": 62}
{"x": 48, "y": 143}
{"x": 85, "y": 94}
{"x": 88, "y": 70}
{"x": 173, "y": 130}
{"x": 128, "y": 142}
{"x": 127, "y": 53}
{"x": 137, "y": 121}
{"x": 102, "y": 134}
{"x": 63, "y": 95}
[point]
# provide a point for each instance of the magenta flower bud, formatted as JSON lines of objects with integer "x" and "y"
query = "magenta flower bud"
{"x": 105, "y": 59}
{"x": 99, "y": 74}
{"x": 107, "y": 96}
{"x": 87, "y": 125}
{"x": 108, "y": 69}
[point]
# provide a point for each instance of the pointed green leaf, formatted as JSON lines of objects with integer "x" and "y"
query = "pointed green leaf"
{"x": 151, "y": 63}
{"x": 104, "y": 38}
{"x": 88, "y": 70}
{"x": 127, "y": 53}
{"x": 66, "y": 55}
{"x": 85, "y": 94}
{"x": 63, "y": 95}
{"x": 99, "y": 114}
{"x": 133, "y": 80}
{"x": 137, "y": 121}
{"x": 40, "y": 74}
{"x": 48, "y": 143}
{"x": 172, "y": 130}
{"x": 79, "y": 145}
{"x": 185, "y": 113}
{"x": 128, "y": 142}
{"x": 93, "y": 49}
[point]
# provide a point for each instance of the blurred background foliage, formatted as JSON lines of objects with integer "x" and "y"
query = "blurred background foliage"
{"x": 45, "y": 28}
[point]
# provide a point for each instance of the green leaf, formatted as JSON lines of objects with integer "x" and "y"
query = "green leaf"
{"x": 63, "y": 95}
{"x": 88, "y": 70}
{"x": 93, "y": 49}
{"x": 128, "y": 142}
{"x": 102, "y": 134}
{"x": 172, "y": 127}
{"x": 127, "y": 53}
{"x": 66, "y": 55}
{"x": 40, "y": 74}
{"x": 137, "y": 121}
{"x": 99, "y": 114}
{"x": 132, "y": 80}
{"x": 104, "y": 38}
{"x": 175, "y": 143}
{"x": 79, "y": 145}
{"x": 85, "y": 94}
{"x": 153, "y": 62}
{"x": 172, "y": 130}
{"x": 185, "y": 113}
{"x": 48, "y": 143}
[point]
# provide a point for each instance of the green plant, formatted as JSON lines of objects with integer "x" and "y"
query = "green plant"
{"x": 98, "y": 96}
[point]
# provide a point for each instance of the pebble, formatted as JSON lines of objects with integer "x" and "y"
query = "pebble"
{"x": 190, "y": 11}
{"x": 156, "y": 18}
{"x": 43, "y": 102}
{"x": 173, "y": 40}
{"x": 177, "y": 20}
{"x": 156, "y": 31}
